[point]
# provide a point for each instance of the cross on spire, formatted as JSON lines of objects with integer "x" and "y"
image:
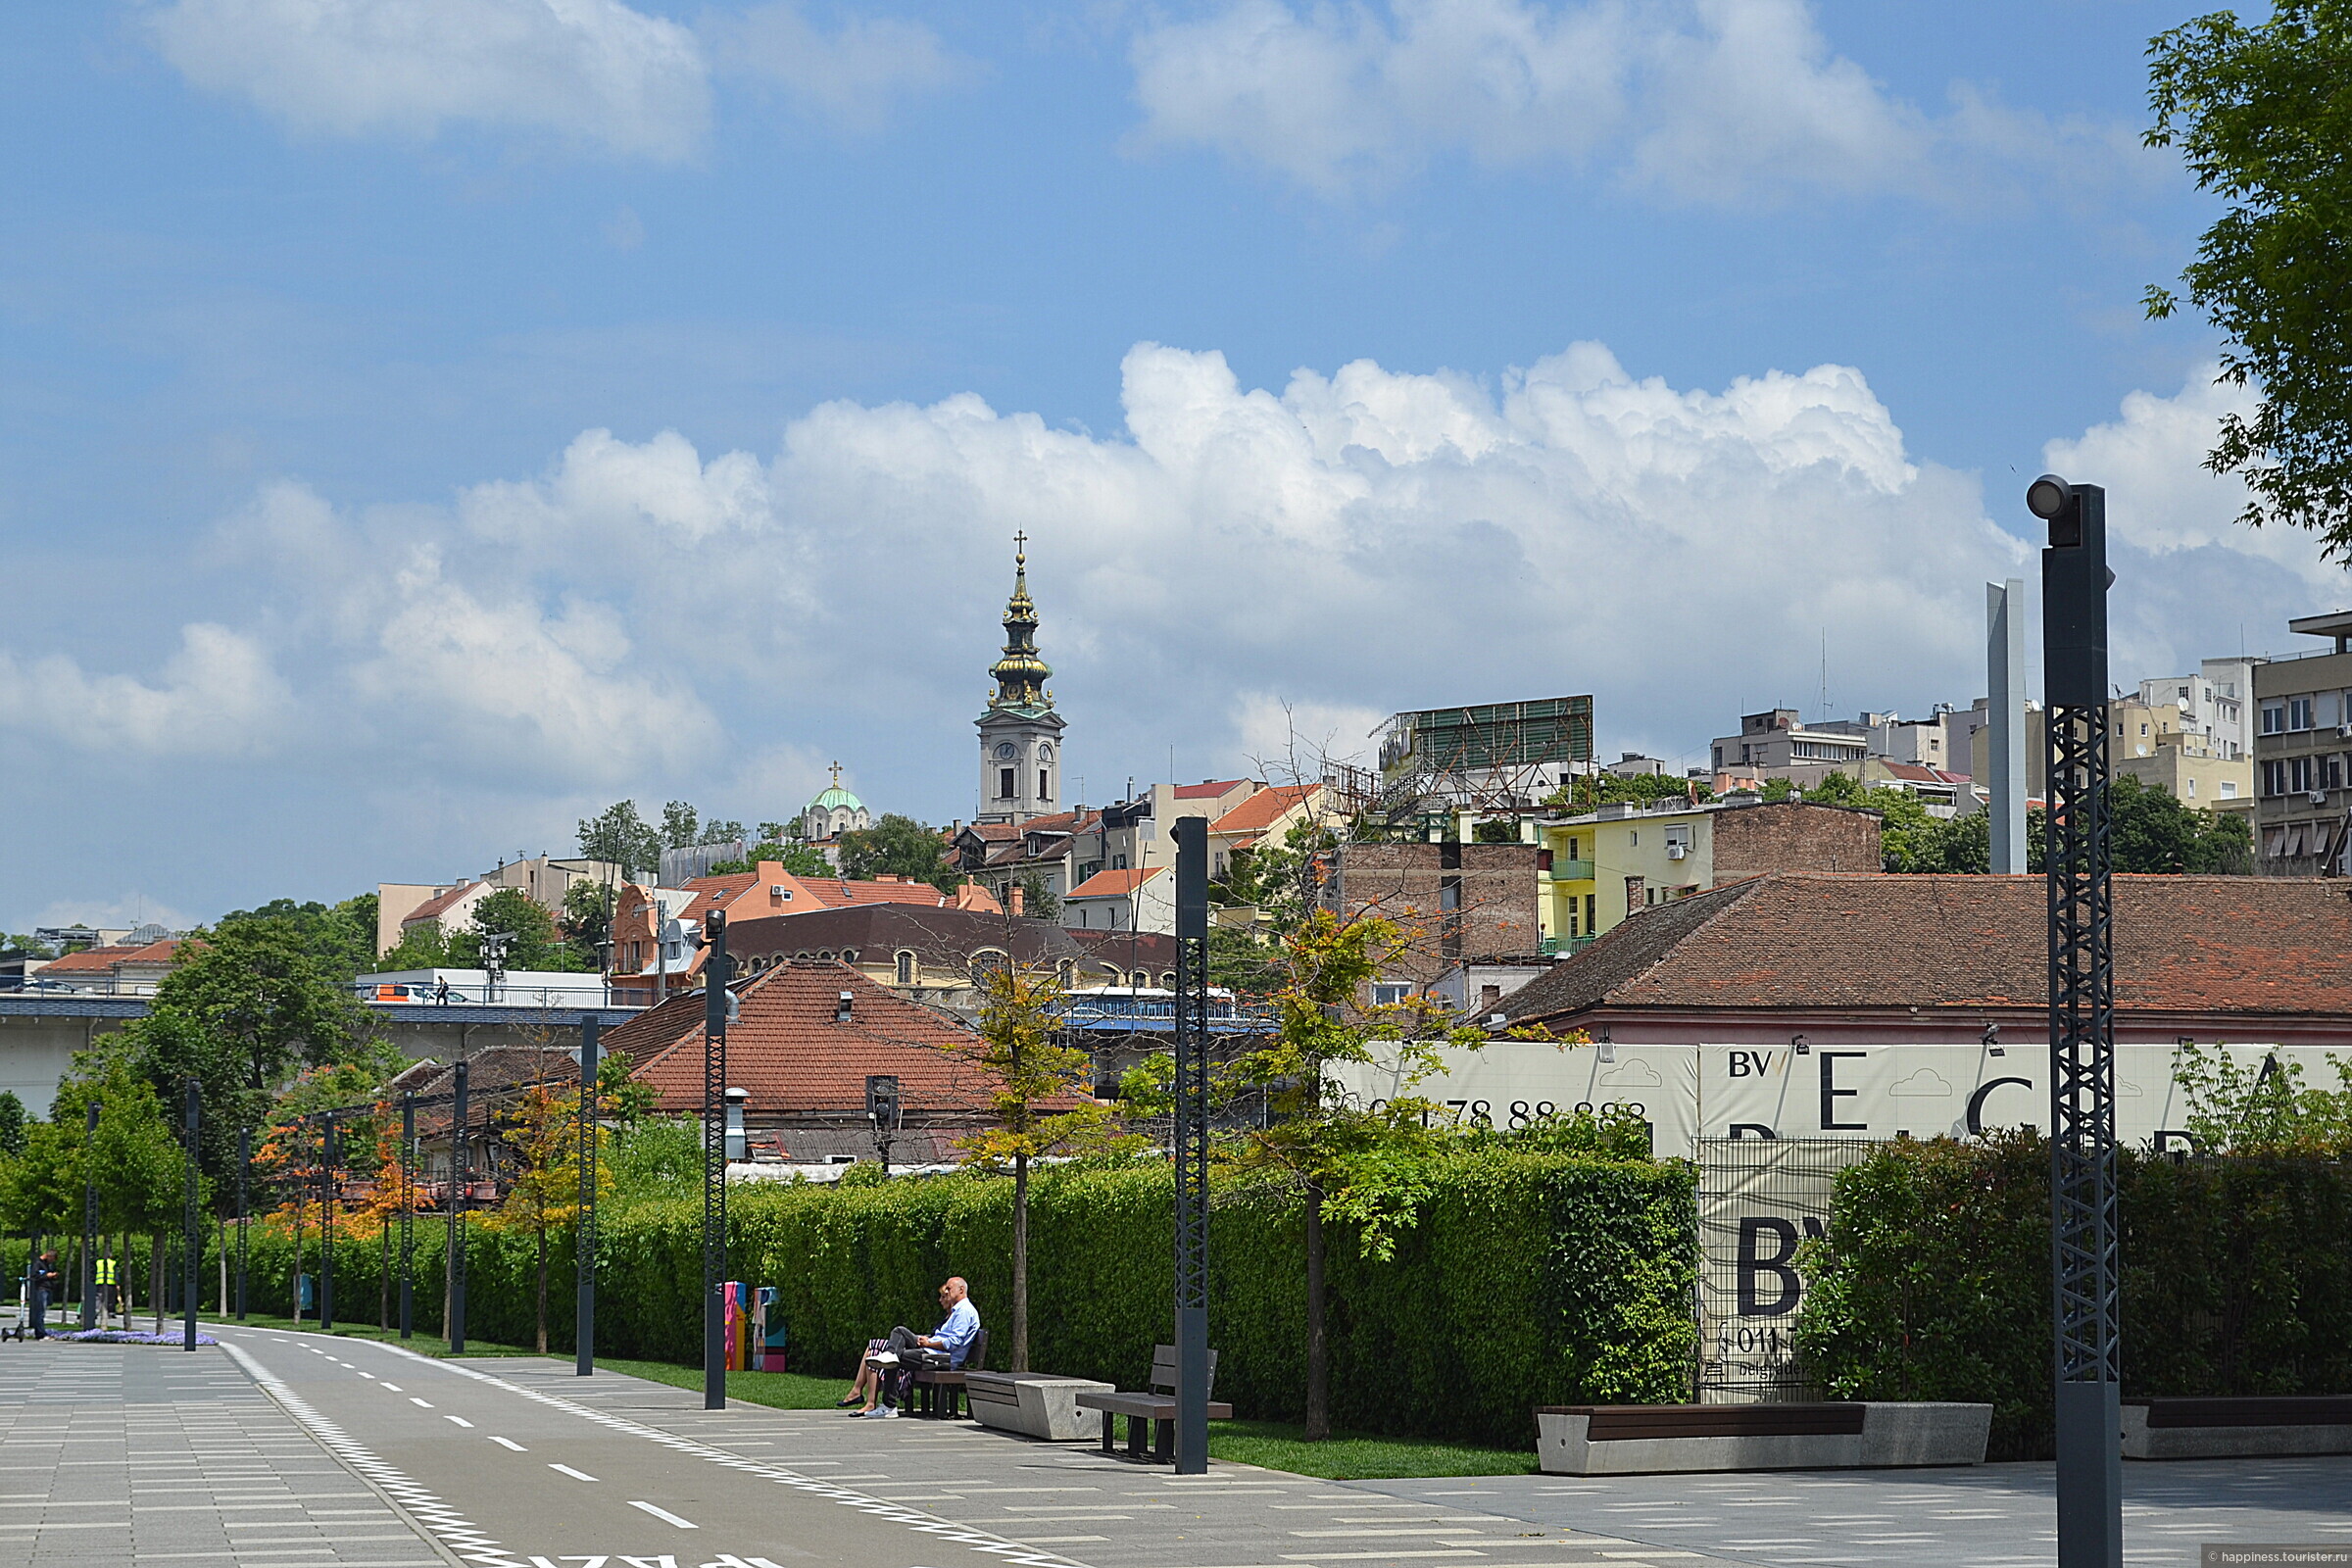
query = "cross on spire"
{"x": 837, "y": 775}
{"x": 1020, "y": 549}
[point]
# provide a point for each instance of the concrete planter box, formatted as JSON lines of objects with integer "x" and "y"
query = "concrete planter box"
{"x": 2236, "y": 1429}
{"x": 1596, "y": 1441}
{"x": 1036, "y": 1404}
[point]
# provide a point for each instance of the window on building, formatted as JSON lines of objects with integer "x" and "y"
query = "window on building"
{"x": 2298, "y": 774}
{"x": 2229, "y": 789}
{"x": 1045, "y": 786}
{"x": 1591, "y": 902}
{"x": 905, "y": 970}
{"x": 2272, "y": 780}
{"x": 1004, "y": 783}
{"x": 2192, "y": 789}
{"x": 2298, "y": 714}
{"x": 1143, "y": 979}
{"x": 1390, "y": 992}
{"x": 2274, "y": 719}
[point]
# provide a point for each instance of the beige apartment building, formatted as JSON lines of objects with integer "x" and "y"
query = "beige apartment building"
{"x": 2303, "y": 731}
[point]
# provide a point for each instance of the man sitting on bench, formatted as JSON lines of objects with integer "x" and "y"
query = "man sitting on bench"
{"x": 888, "y": 1371}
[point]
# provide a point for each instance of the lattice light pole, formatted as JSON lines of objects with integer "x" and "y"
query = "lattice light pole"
{"x": 191, "y": 1257}
{"x": 329, "y": 1192}
{"x": 1192, "y": 1146}
{"x": 89, "y": 1230}
{"x": 455, "y": 1328}
{"x": 408, "y": 1212}
{"x": 244, "y": 1165}
{"x": 716, "y": 973}
{"x": 584, "y": 1229}
{"x": 2083, "y": 1263}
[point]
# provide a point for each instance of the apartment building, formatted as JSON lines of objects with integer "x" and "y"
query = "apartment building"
{"x": 2212, "y": 705}
{"x": 2303, "y": 732}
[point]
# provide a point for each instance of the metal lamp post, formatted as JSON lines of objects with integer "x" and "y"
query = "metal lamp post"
{"x": 1192, "y": 1146}
{"x": 584, "y": 1228}
{"x": 2083, "y": 1261}
{"x": 326, "y": 1225}
{"x": 191, "y": 1257}
{"x": 89, "y": 1229}
{"x": 408, "y": 1212}
{"x": 456, "y": 1326}
{"x": 244, "y": 1163}
{"x": 714, "y": 1164}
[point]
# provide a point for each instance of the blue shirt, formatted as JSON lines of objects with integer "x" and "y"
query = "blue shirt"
{"x": 962, "y": 1322}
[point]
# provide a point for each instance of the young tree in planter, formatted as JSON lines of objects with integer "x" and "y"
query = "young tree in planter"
{"x": 133, "y": 1158}
{"x": 1354, "y": 1164}
{"x": 1040, "y": 1093}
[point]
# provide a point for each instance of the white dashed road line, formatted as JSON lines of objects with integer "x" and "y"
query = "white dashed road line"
{"x": 421, "y": 1405}
{"x": 510, "y": 1443}
{"x": 664, "y": 1513}
{"x": 459, "y": 1419}
{"x": 576, "y": 1475}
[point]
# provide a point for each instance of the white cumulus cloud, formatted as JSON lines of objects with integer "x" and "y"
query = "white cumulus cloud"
{"x": 218, "y": 696}
{"x": 1723, "y": 101}
{"x": 854, "y": 75}
{"x": 586, "y": 70}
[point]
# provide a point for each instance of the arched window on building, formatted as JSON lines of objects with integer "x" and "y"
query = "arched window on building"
{"x": 905, "y": 969}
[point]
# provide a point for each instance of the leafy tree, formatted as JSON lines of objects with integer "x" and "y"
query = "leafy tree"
{"x": 421, "y": 946}
{"x": 11, "y": 1124}
{"x": 1354, "y": 1163}
{"x": 133, "y": 1159}
{"x": 10, "y": 943}
{"x": 536, "y": 944}
{"x": 40, "y": 1188}
{"x": 1841, "y": 789}
{"x": 1040, "y": 1092}
{"x": 587, "y": 920}
{"x": 1244, "y": 961}
{"x": 1584, "y": 792}
{"x": 2238, "y": 1109}
{"x": 620, "y": 1097}
{"x": 341, "y": 937}
{"x": 681, "y": 825}
{"x": 898, "y": 845}
{"x": 618, "y": 834}
{"x": 1282, "y": 881}
{"x": 1038, "y": 902}
{"x": 658, "y": 1158}
{"x": 543, "y": 1129}
{"x": 1496, "y": 830}
{"x": 795, "y": 857}
{"x": 2151, "y": 833}
{"x": 2262, "y": 115}
{"x": 249, "y": 1004}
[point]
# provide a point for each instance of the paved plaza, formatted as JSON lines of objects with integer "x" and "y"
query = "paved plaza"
{"x": 283, "y": 1450}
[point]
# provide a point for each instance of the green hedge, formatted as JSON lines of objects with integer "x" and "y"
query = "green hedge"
{"x": 1529, "y": 1279}
{"x": 1934, "y": 1280}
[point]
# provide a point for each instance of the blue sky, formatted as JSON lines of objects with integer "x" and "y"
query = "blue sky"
{"x": 423, "y": 422}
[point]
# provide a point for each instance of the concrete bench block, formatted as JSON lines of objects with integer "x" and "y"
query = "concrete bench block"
{"x": 1036, "y": 1404}
{"x": 1892, "y": 1435}
{"x": 2143, "y": 1441}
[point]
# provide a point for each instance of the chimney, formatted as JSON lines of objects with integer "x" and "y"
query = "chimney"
{"x": 1012, "y": 904}
{"x": 1637, "y": 892}
{"x": 841, "y": 1008}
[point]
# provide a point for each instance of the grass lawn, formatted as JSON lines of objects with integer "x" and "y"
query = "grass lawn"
{"x": 1352, "y": 1456}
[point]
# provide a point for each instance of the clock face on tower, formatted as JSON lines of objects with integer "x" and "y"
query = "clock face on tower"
{"x": 1044, "y": 753}
{"x": 1004, "y": 750}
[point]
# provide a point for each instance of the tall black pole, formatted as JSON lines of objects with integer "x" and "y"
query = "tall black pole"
{"x": 1192, "y": 1146}
{"x": 407, "y": 1214}
{"x": 2083, "y": 1262}
{"x": 456, "y": 1326}
{"x": 584, "y": 1228}
{"x": 191, "y": 1259}
{"x": 244, "y": 1159}
{"x": 89, "y": 1225}
{"x": 326, "y": 1226}
{"x": 714, "y": 1165}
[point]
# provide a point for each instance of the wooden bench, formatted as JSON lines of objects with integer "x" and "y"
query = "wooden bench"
{"x": 932, "y": 1381}
{"x": 1583, "y": 1440}
{"x": 1155, "y": 1411}
{"x": 2259, "y": 1425}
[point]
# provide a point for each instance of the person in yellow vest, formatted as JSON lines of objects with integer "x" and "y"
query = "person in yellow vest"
{"x": 104, "y": 1271}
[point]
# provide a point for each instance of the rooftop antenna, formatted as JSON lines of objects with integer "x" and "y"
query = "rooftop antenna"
{"x": 1822, "y": 702}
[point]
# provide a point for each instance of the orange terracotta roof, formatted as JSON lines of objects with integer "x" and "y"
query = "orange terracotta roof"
{"x": 89, "y": 961}
{"x": 836, "y": 893}
{"x": 1259, "y": 812}
{"x": 435, "y": 906}
{"x": 1109, "y": 884}
{"x": 1208, "y": 789}
{"x": 786, "y": 1049}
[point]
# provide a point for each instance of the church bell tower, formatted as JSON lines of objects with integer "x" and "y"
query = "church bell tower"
{"x": 1020, "y": 734}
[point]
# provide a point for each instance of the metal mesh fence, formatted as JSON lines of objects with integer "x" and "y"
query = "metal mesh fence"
{"x": 1759, "y": 1200}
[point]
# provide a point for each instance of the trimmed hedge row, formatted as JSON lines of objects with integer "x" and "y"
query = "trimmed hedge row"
{"x": 1529, "y": 1279}
{"x": 1934, "y": 1280}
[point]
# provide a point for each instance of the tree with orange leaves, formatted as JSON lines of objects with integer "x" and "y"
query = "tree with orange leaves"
{"x": 543, "y": 1129}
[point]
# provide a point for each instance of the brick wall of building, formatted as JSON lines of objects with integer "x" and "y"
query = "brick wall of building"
{"x": 1792, "y": 836}
{"x": 1494, "y": 883}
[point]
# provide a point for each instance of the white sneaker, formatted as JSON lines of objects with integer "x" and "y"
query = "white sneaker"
{"x": 884, "y": 1359}
{"x": 883, "y": 1412}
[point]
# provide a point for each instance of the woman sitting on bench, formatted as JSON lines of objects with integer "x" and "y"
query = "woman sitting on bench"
{"x": 888, "y": 1368}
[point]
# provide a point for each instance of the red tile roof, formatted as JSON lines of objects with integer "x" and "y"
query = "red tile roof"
{"x": 104, "y": 961}
{"x": 787, "y": 1050}
{"x": 1257, "y": 814}
{"x": 1109, "y": 884}
{"x": 1208, "y": 789}
{"x": 2209, "y": 945}
{"x": 1923, "y": 775}
{"x": 435, "y": 906}
{"x": 836, "y": 893}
